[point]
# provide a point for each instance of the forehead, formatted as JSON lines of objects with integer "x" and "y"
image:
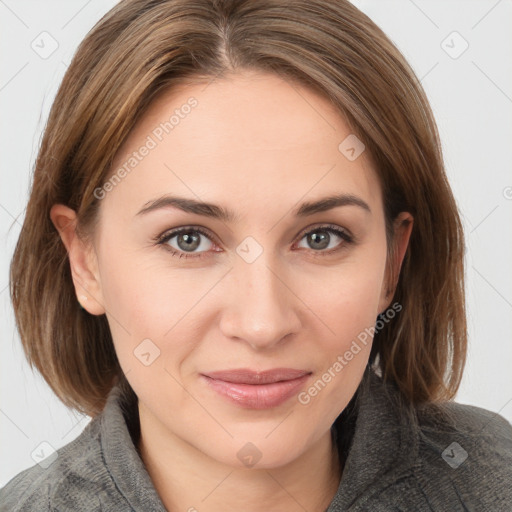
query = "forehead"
{"x": 250, "y": 132}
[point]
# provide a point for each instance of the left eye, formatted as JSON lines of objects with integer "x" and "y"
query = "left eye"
{"x": 189, "y": 240}
{"x": 321, "y": 237}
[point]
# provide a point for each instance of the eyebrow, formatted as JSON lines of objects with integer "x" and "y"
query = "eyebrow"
{"x": 224, "y": 214}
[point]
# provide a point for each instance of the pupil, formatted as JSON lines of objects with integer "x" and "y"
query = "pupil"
{"x": 191, "y": 242}
{"x": 321, "y": 240}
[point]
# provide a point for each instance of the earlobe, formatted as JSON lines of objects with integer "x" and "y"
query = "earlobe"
{"x": 82, "y": 260}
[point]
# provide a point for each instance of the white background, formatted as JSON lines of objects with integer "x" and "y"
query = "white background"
{"x": 472, "y": 100}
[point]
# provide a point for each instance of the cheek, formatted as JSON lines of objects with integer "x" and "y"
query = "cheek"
{"x": 133, "y": 307}
{"x": 348, "y": 309}
{"x": 347, "y": 296}
{"x": 138, "y": 293}
{"x": 349, "y": 315}
{"x": 347, "y": 305}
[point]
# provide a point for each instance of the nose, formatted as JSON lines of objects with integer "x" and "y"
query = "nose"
{"x": 262, "y": 309}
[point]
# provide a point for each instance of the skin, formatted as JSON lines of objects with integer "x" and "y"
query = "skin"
{"x": 260, "y": 147}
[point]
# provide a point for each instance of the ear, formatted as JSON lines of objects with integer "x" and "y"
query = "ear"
{"x": 402, "y": 228}
{"x": 82, "y": 260}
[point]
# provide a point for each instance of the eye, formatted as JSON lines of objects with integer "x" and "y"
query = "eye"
{"x": 188, "y": 239}
{"x": 320, "y": 238}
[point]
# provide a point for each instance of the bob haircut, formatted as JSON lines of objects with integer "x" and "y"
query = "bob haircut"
{"x": 143, "y": 48}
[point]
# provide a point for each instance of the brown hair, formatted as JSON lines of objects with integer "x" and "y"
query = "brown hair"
{"x": 144, "y": 47}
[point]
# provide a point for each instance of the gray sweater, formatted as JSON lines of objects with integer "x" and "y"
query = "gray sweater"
{"x": 432, "y": 458}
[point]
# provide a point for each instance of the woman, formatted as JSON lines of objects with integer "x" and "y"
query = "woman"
{"x": 304, "y": 351}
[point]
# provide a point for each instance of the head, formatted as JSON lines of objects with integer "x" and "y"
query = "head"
{"x": 284, "y": 122}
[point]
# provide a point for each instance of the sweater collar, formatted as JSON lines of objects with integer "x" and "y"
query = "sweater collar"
{"x": 122, "y": 457}
{"x": 382, "y": 445}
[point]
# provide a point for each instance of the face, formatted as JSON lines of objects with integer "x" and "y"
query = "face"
{"x": 277, "y": 283}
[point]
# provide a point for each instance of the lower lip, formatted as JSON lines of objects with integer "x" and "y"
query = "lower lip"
{"x": 260, "y": 396}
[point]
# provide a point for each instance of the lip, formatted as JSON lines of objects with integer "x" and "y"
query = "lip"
{"x": 257, "y": 390}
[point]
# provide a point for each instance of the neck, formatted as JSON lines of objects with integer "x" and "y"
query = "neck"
{"x": 188, "y": 479}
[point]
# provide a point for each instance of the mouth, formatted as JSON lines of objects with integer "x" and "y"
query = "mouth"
{"x": 257, "y": 390}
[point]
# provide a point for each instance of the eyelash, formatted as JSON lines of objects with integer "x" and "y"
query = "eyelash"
{"x": 165, "y": 237}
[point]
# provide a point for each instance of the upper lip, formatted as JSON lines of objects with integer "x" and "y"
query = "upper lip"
{"x": 248, "y": 376}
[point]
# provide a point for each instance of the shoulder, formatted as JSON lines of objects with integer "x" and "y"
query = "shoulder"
{"x": 464, "y": 451}
{"x": 442, "y": 455}
{"x": 486, "y": 434}
{"x": 75, "y": 480}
